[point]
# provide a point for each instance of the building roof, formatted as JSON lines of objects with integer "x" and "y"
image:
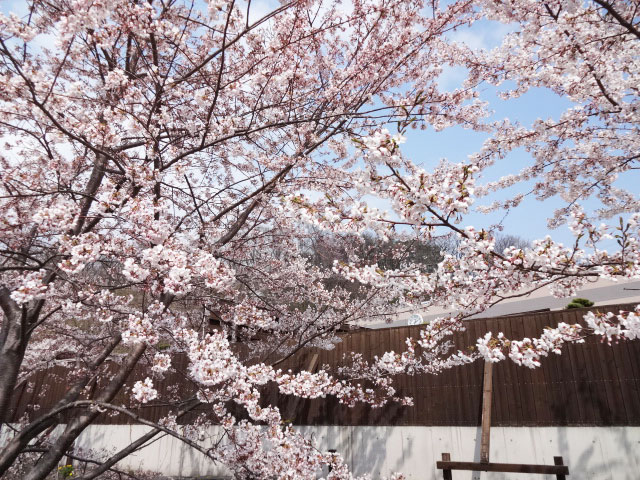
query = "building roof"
{"x": 601, "y": 292}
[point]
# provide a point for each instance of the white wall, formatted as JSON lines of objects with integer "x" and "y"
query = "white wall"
{"x": 590, "y": 452}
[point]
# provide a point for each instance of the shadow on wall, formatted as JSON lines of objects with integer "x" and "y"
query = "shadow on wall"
{"x": 617, "y": 452}
{"x": 356, "y": 450}
{"x": 592, "y": 453}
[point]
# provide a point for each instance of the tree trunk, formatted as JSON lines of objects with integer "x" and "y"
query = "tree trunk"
{"x": 10, "y": 361}
{"x": 17, "y": 444}
{"x": 12, "y": 348}
{"x": 76, "y": 426}
{"x": 129, "y": 449}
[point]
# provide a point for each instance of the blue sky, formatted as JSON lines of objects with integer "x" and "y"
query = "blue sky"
{"x": 529, "y": 220}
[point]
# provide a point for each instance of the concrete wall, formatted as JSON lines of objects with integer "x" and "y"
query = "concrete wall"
{"x": 590, "y": 452}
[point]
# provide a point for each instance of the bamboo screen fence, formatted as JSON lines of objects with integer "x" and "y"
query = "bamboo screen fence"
{"x": 589, "y": 384}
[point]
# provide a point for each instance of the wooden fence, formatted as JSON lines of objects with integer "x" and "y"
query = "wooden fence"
{"x": 589, "y": 384}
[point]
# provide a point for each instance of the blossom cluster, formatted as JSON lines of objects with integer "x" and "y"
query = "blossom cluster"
{"x": 528, "y": 351}
{"x": 143, "y": 391}
{"x": 613, "y": 327}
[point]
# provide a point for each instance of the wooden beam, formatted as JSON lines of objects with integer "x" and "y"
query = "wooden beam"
{"x": 503, "y": 467}
{"x": 487, "y": 390}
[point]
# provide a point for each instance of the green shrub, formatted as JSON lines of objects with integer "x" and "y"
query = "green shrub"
{"x": 580, "y": 303}
{"x": 65, "y": 471}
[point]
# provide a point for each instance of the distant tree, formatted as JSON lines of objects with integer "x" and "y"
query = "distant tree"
{"x": 504, "y": 241}
{"x": 326, "y": 250}
{"x": 399, "y": 251}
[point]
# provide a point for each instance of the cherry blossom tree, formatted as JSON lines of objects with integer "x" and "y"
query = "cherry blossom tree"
{"x": 163, "y": 162}
{"x": 584, "y": 52}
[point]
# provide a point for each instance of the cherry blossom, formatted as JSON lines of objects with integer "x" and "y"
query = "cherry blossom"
{"x": 164, "y": 167}
{"x": 143, "y": 391}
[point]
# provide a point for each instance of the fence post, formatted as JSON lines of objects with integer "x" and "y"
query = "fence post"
{"x": 487, "y": 391}
{"x": 559, "y": 461}
{"x": 446, "y": 473}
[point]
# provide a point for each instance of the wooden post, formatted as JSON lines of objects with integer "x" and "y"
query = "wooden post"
{"x": 446, "y": 473}
{"x": 331, "y": 450}
{"x": 292, "y": 404}
{"x": 312, "y": 363}
{"x": 487, "y": 388}
{"x": 559, "y": 461}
